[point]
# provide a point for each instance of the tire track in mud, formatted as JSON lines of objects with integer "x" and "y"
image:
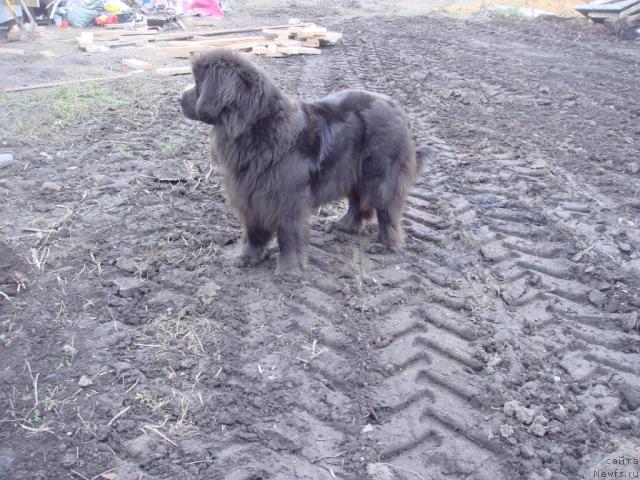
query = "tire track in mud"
{"x": 431, "y": 402}
{"x": 530, "y": 248}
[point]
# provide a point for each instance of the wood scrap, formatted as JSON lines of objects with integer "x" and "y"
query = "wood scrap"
{"x": 299, "y": 50}
{"x": 309, "y": 32}
{"x": 162, "y": 37}
{"x": 611, "y": 12}
{"x": 186, "y": 50}
{"x": 47, "y": 54}
{"x": 71, "y": 82}
{"x": 612, "y": 7}
{"x": 12, "y": 51}
{"x": 85, "y": 42}
{"x": 167, "y": 71}
{"x": 137, "y": 64}
{"x": 273, "y": 50}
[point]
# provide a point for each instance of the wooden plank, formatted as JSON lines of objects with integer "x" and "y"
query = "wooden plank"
{"x": 167, "y": 71}
{"x": 221, "y": 42}
{"x": 117, "y": 26}
{"x": 127, "y": 33}
{"x": 128, "y": 43}
{"x": 634, "y": 10}
{"x": 600, "y": 16}
{"x": 312, "y": 42}
{"x": 137, "y": 64}
{"x": 47, "y": 54}
{"x": 186, "y": 51}
{"x": 92, "y": 48}
{"x": 12, "y": 51}
{"x": 190, "y": 35}
{"x": 270, "y": 50}
{"x": 330, "y": 38}
{"x": 71, "y": 82}
{"x": 615, "y": 7}
{"x": 299, "y": 50}
{"x": 278, "y": 32}
{"x": 273, "y": 50}
{"x": 85, "y": 38}
{"x": 307, "y": 31}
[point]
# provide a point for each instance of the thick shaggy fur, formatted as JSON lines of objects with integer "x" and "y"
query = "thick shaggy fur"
{"x": 282, "y": 158}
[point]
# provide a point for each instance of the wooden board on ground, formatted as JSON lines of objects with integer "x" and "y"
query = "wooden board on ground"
{"x": 612, "y": 7}
{"x": 137, "y": 64}
{"x": 273, "y": 50}
{"x": 71, "y": 82}
{"x": 233, "y": 44}
{"x": 12, "y": 51}
{"x": 167, "y": 71}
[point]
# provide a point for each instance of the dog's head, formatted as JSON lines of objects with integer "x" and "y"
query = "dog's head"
{"x": 229, "y": 90}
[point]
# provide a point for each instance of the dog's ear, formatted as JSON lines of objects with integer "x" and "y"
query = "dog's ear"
{"x": 217, "y": 89}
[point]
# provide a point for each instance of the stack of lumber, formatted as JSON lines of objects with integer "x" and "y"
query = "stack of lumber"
{"x": 276, "y": 41}
{"x": 294, "y": 38}
{"x": 601, "y": 10}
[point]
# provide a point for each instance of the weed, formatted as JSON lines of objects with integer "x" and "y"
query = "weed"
{"x": 146, "y": 399}
{"x": 63, "y": 364}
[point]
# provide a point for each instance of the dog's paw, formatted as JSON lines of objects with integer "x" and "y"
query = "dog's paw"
{"x": 246, "y": 260}
{"x": 378, "y": 249}
{"x": 288, "y": 273}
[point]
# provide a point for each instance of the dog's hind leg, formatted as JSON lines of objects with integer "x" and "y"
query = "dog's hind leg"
{"x": 254, "y": 243}
{"x": 356, "y": 216}
{"x": 389, "y": 227}
{"x": 293, "y": 238}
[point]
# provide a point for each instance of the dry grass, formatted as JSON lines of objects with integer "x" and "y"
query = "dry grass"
{"x": 564, "y": 8}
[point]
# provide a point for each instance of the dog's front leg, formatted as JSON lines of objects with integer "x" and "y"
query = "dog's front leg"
{"x": 254, "y": 242}
{"x": 293, "y": 237}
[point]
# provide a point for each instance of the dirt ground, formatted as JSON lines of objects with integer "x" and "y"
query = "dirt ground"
{"x": 502, "y": 343}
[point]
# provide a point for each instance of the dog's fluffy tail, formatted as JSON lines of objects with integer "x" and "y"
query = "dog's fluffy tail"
{"x": 422, "y": 153}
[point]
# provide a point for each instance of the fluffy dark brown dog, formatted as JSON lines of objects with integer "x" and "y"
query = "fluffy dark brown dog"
{"x": 282, "y": 158}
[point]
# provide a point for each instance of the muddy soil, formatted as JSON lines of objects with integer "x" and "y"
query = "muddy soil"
{"x": 503, "y": 342}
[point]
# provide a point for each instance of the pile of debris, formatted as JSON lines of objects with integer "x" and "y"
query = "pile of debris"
{"x": 276, "y": 41}
{"x": 621, "y": 18}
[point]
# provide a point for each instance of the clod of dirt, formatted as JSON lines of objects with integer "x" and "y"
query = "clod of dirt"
{"x": 128, "y": 287}
{"x": 630, "y": 323}
{"x": 378, "y": 471}
{"x": 140, "y": 447}
{"x": 539, "y": 428}
{"x": 506, "y": 431}
{"x": 527, "y": 451}
{"x": 68, "y": 459}
{"x": 207, "y": 292}
{"x": 121, "y": 367}
{"x": 69, "y": 350}
{"x": 560, "y": 414}
{"x": 50, "y": 187}
{"x": 127, "y": 264}
{"x": 102, "y": 433}
{"x": 624, "y": 247}
{"x": 127, "y": 471}
{"x": 522, "y": 414}
{"x": 630, "y": 394}
{"x": 85, "y": 381}
{"x": 6, "y": 159}
{"x": 633, "y": 167}
{"x": 597, "y": 297}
